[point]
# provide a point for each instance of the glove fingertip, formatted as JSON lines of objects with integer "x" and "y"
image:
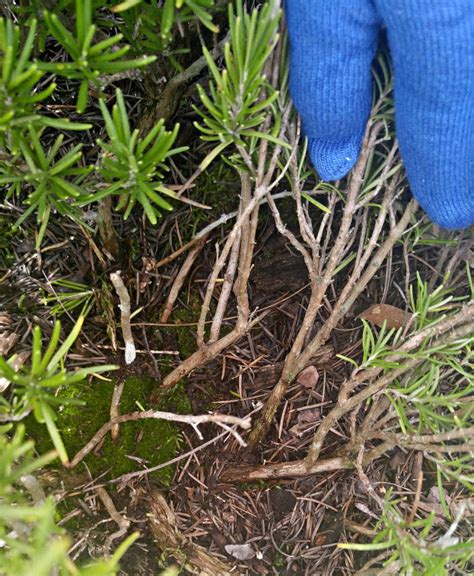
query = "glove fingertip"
{"x": 334, "y": 159}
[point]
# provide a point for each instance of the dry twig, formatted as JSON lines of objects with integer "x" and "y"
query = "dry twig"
{"x": 222, "y": 420}
{"x": 130, "y": 351}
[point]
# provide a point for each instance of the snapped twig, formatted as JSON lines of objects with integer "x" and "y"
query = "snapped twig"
{"x": 124, "y": 296}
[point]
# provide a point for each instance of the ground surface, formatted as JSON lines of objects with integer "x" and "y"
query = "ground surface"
{"x": 284, "y": 526}
{"x": 291, "y": 526}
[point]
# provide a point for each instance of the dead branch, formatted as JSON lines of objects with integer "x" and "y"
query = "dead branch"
{"x": 180, "y": 278}
{"x": 243, "y": 232}
{"x": 130, "y": 351}
{"x": 226, "y": 291}
{"x": 120, "y": 520}
{"x": 428, "y": 441}
{"x": 319, "y": 285}
{"x": 239, "y": 231}
{"x": 203, "y": 234}
{"x": 205, "y": 354}
{"x": 222, "y": 420}
{"x": 124, "y": 478}
{"x": 299, "y": 468}
{"x": 105, "y": 225}
{"x": 356, "y": 285}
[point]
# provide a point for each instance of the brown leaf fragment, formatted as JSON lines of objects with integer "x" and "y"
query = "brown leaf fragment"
{"x": 5, "y": 320}
{"x": 310, "y": 415}
{"x": 377, "y": 314}
{"x": 7, "y": 341}
{"x": 308, "y": 377}
{"x": 304, "y": 418}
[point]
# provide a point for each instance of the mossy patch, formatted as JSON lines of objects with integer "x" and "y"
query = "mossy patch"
{"x": 186, "y": 336}
{"x": 219, "y": 188}
{"x": 183, "y": 338}
{"x": 144, "y": 443}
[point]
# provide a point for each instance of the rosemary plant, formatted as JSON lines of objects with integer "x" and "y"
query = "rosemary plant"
{"x": 133, "y": 166}
{"x": 89, "y": 61}
{"x": 34, "y": 385}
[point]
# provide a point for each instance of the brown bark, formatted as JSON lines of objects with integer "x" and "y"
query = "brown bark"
{"x": 173, "y": 545}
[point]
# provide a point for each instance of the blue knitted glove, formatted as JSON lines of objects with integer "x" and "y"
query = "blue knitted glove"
{"x": 333, "y": 43}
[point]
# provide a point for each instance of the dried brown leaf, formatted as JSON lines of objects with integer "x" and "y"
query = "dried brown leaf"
{"x": 310, "y": 415}
{"x": 377, "y": 314}
{"x": 5, "y": 320}
{"x": 16, "y": 362}
{"x": 308, "y": 377}
{"x": 7, "y": 341}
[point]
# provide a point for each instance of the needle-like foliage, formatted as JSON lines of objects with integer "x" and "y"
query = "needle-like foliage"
{"x": 50, "y": 178}
{"x": 34, "y": 384}
{"x": 134, "y": 166}
{"x": 88, "y": 60}
{"x": 31, "y": 541}
{"x": 240, "y": 94}
{"x": 20, "y": 91}
{"x": 412, "y": 548}
{"x": 184, "y": 10}
{"x": 19, "y": 76}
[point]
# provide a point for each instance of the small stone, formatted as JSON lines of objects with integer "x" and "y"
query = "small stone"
{"x": 240, "y": 551}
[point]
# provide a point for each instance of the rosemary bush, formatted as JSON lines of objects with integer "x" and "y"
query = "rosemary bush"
{"x": 47, "y": 177}
{"x": 29, "y": 535}
{"x": 432, "y": 411}
{"x": 46, "y": 174}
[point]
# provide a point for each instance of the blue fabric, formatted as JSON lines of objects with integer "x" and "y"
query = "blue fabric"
{"x": 332, "y": 45}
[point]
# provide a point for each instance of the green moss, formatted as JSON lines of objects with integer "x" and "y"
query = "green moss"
{"x": 188, "y": 314}
{"x": 219, "y": 188}
{"x": 182, "y": 338}
{"x": 152, "y": 442}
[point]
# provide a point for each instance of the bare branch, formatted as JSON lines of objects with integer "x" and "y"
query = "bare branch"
{"x": 180, "y": 278}
{"x": 345, "y": 406}
{"x": 193, "y": 420}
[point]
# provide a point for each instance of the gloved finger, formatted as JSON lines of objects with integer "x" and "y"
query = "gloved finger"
{"x": 332, "y": 45}
{"x": 432, "y": 45}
